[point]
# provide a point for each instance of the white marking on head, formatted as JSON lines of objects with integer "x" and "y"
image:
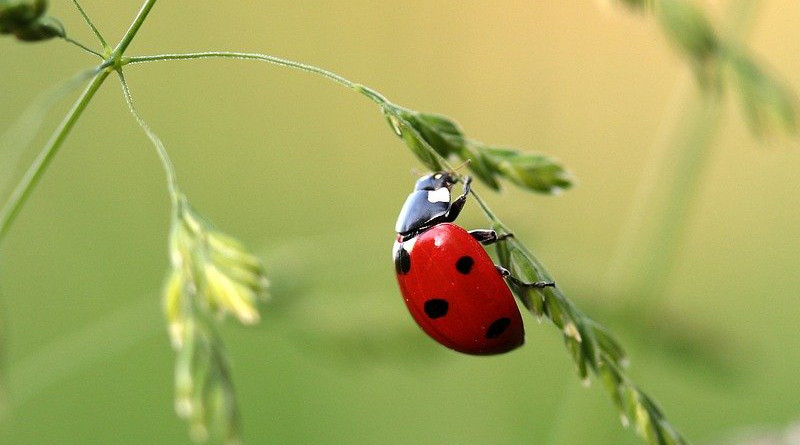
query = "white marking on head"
{"x": 437, "y": 176}
{"x": 439, "y": 195}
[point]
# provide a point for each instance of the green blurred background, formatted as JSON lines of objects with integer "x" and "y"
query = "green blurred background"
{"x": 310, "y": 175}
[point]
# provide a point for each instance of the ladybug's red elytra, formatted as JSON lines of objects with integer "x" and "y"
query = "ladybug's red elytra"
{"x": 450, "y": 285}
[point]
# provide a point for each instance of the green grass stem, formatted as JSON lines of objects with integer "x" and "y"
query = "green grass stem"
{"x": 32, "y": 176}
{"x": 92, "y": 26}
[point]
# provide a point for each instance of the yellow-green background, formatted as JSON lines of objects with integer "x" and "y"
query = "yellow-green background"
{"x": 311, "y": 176}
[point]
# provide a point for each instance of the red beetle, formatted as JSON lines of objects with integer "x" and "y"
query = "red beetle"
{"x": 452, "y": 288}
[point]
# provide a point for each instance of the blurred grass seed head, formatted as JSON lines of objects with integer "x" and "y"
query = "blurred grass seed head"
{"x": 204, "y": 393}
{"x": 211, "y": 272}
{"x": 770, "y": 107}
{"x": 212, "y": 275}
{"x": 25, "y": 20}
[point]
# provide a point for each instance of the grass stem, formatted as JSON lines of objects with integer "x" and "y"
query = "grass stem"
{"x": 133, "y": 29}
{"x": 166, "y": 162}
{"x": 91, "y": 25}
{"x": 34, "y": 173}
{"x": 16, "y": 138}
{"x": 372, "y": 94}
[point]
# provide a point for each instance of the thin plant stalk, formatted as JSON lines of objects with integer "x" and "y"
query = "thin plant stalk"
{"x": 20, "y": 133}
{"x": 32, "y": 176}
{"x": 370, "y": 93}
{"x": 133, "y": 29}
{"x": 169, "y": 168}
{"x": 91, "y": 25}
{"x": 81, "y": 46}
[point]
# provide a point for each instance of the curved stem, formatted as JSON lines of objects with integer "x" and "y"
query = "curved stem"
{"x": 91, "y": 25}
{"x": 372, "y": 94}
{"x": 33, "y": 175}
{"x": 166, "y": 162}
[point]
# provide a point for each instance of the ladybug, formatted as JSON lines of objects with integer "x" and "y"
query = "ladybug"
{"x": 453, "y": 290}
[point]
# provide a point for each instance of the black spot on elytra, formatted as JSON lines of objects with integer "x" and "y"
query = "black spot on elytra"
{"x": 436, "y": 307}
{"x": 498, "y": 327}
{"x": 464, "y": 264}
{"x": 402, "y": 261}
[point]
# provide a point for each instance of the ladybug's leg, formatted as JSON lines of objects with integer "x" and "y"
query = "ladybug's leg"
{"x": 458, "y": 203}
{"x": 487, "y": 237}
{"x": 538, "y": 284}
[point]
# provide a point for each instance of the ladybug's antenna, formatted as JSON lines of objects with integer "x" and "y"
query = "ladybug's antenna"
{"x": 461, "y": 165}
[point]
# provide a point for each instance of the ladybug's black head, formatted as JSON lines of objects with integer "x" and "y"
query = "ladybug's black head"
{"x": 427, "y": 205}
{"x": 435, "y": 181}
